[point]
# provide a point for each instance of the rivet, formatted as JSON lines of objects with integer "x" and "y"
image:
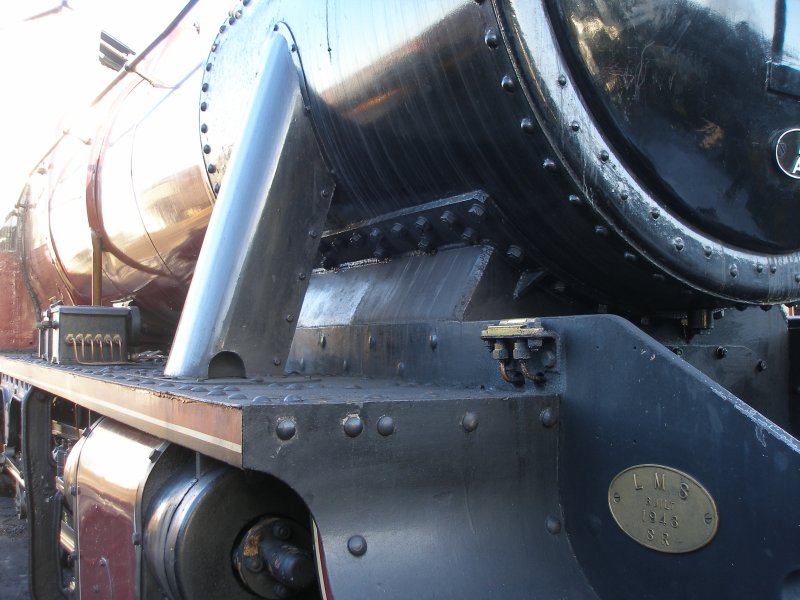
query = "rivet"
{"x": 655, "y": 212}
{"x": 322, "y": 341}
{"x": 208, "y": 66}
{"x": 734, "y": 270}
{"x": 759, "y": 268}
{"x": 707, "y": 251}
{"x": 508, "y": 84}
{"x": 401, "y": 369}
{"x": 469, "y": 422}
{"x": 212, "y": 168}
{"x": 797, "y": 278}
{"x": 286, "y": 429}
{"x": 245, "y": 2}
{"x": 678, "y": 243}
{"x": 527, "y": 126}
{"x": 276, "y": 361}
{"x": 357, "y": 545}
{"x": 433, "y": 341}
{"x": 371, "y": 342}
{"x": 380, "y": 253}
{"x": 207, "y": 149}
{"x": 491, "y": 39}
{"x": 424, "y": 244}
{"x": 222, "y": 28}
{"x": 312, "y": 234}
{"x": 601, "y": 230}
{"x": 386, "y": 425}
{"x": 204, "y": 106}
{"x": 574, "y": 200}
{"x": 773, "y": 268}
{"x": 761, "y": 365}
{"x": 353, "y": 426}
{"x": 216, "y": 188}
{"x": 575, "y": 126}
{"x": 289, "y": 318}
{"x": 562, "y": 80}
{"x": 204, "y": 87}
{"x": 214, "y": 47}
{"x": 204, "y": 128}
{"x": 604, "y": 155}
{"x": 553, "y": 525}
{"x": 623, "y": 195}
{"x": 721, "y": 352}
{"x": 548, "y": 417}
{"x": 324, "y": 192}
{"x": 629, "y": 256}
{"x": 301, "y": 276}
{"x": 549, "y": 164}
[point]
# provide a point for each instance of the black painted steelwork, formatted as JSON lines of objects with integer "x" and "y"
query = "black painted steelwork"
{"x": 44, "y": 504}
{"x": 440, "y": 409}
{"x": 644, "y": 404}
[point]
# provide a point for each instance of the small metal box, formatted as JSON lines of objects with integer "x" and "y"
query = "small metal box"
{"x": 88, "y": 334}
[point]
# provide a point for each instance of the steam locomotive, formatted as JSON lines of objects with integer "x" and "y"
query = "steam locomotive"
{"x": 444, "y": 299}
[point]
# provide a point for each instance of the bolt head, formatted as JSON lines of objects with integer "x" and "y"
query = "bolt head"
{"x": 477, "y": 211}
{"x": 398, "y": 230}
{"x": 515, "y": 253}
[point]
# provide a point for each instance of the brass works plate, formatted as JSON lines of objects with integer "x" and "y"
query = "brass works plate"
{"x": 663, "y": 509}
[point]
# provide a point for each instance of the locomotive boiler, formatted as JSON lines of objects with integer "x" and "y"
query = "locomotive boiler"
{"x": 446, "y": 299}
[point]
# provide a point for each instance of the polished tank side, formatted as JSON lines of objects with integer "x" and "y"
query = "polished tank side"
{"x": 137, "y": 181}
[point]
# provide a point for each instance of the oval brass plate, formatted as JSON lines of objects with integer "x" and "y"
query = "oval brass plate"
{"x": 663, "y": 509}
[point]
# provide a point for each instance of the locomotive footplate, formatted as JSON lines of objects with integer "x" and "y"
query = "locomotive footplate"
{"x": 646, "y": 480}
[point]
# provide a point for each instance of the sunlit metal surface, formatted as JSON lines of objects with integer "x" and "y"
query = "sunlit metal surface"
{"x": 114, "y": 461}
